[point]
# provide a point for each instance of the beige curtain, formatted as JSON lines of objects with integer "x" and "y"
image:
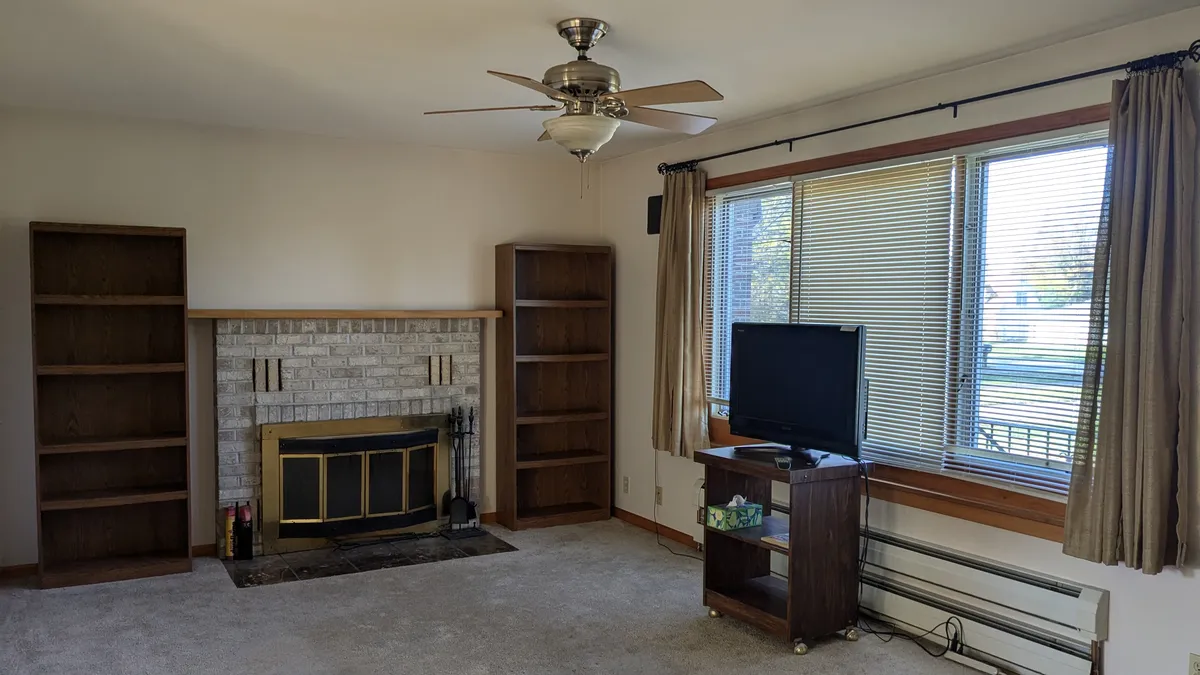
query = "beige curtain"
{"x": 1129, "y": 500}
{"x": 680, "y": 397}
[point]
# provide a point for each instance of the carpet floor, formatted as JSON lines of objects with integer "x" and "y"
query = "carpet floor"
{"x": 597, "y": 598}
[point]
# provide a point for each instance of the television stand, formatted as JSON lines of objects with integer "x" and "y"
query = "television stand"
{"x": 804, "y": 457}
{"x": 819, "y": 597}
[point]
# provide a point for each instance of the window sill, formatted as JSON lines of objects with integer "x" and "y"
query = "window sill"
{"x": 948, "y": 496}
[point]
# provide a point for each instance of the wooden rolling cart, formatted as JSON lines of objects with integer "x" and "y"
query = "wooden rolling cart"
{"x": 820, "y": 595}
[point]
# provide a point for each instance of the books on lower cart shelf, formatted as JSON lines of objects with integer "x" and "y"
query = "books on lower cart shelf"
{"x": 779, "y": 540}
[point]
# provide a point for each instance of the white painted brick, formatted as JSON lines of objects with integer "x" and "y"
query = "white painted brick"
{"x": 423, "y": 326}
{"x": 231, "y": 352}
{"x": 335, "y": 412}
{"x": 250, "y": 481}
{"x": 311, "y": 374}
{"x": 345, "y": 396}
{"x": 293, "y": 339}
{"x": 292, "y": 384}
{"x": 235, "y": 399}
{"x": 311, "y": 396}
{"x": 365, "y": 338}
{"x": 330, "y": 339}
{"x": 372, "y": 409}
{"x": 234, "y": 375}
{"x": 235, "y": 423}
{"x": 273, "y": 398}
{"x": 272, "y": 351}
{"x": 418, "y": 392}
{"x": 255, "y": 339}
{"x": 273, "y": 415}
{"x": 228, "y": 483}
{"x": 311, "y": 350}
{"x": 236, "y": 495}
{"x": 435, "y": 337}
{"x": 401, "y": 338}
{"x": 468, "y": 338}
{"x": 310, "y": 325}
{"x": 287, "y": 414}
{"x": 382, "y": 394}
{"x": 365, "y": 383}
{"x": 323, "y": 412}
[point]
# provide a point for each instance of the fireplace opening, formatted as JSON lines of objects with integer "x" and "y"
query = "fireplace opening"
{"x": 340, "y": 485}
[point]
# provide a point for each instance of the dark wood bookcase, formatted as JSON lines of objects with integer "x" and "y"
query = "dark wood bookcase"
{"x": 554, "y": 384}
{"x": 110, "y": 410}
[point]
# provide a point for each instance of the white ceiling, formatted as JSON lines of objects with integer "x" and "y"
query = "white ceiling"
{"x": 368, "y": 68}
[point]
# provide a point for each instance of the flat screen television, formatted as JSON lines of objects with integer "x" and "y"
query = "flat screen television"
{"x": 799, "y": 385}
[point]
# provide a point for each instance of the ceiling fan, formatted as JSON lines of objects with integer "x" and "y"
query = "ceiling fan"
{"x": 593, "y": 102}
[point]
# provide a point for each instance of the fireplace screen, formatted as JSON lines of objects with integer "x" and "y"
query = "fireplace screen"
{"x": 347, "y": 484}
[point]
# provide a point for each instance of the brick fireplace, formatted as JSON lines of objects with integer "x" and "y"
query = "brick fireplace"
{"x": 280, "y": 371}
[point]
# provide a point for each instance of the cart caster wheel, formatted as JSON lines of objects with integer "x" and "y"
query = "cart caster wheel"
{"x": 714, "y": 614}
{"x": 800, "y": 649}
{"x": 852, "y": 634}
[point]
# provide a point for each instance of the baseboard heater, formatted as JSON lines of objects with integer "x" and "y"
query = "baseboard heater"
{"x": 1018, "y": 620}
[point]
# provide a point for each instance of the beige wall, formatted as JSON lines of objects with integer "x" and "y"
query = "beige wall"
{"x": 1155, "y": 621}
{"x": 273, "y": 220}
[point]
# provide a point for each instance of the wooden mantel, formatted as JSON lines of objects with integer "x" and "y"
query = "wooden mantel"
{"x": 344, "y": 313}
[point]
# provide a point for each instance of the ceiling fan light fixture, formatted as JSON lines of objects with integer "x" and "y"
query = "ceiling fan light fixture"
{"x": 581, "y": 135}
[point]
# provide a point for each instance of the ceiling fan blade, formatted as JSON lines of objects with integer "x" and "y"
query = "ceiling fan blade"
{"x": 665, "y": 119}
{"x": 534, "y": 85}
{"x": 546, "y": 108}
{"x": 692, "y": 91}
{"x": 545, "y": 136}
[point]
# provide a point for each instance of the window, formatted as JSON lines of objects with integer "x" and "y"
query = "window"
{"x": 973, "y": 276}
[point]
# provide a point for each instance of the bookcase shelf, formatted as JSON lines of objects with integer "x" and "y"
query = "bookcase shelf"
{"x": 554, "y": 384}
{"x": 110, "y": 415}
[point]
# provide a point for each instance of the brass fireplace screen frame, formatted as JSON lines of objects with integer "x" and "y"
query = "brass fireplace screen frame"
{"x": 272, "y": 464}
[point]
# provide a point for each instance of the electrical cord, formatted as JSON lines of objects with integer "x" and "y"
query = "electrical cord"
{"x": 952, "y": 628}
{"x": 657, "y": 534}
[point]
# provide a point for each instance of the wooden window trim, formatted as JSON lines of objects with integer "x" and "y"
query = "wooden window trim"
{"x": 941, "y": 143}
{"x": 949, "y": 496}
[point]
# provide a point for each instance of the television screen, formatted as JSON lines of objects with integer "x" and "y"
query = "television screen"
{"x": 799, "y": 385}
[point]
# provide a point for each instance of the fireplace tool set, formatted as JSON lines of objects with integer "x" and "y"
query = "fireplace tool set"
{"x": 462, "y": 510}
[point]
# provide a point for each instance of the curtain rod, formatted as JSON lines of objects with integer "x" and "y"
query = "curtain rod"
{"x": 1156, "y": 62}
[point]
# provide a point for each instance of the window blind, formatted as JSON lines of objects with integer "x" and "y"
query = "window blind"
{"x": 748, "y": 278}
{"x": 873, "y": 248}
{"x": 1018, "y": 345}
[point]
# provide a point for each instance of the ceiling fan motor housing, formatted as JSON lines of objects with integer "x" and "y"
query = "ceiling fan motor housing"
{"x": 583, "y": 79}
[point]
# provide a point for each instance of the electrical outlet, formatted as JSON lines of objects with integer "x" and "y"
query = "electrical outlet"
{"x": 625, "y": 484}
{"x": 658, "y": 495}
{"x": 1194, "y": 665}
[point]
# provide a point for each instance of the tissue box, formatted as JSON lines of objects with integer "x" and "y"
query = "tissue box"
{"x": 735, "y": 517}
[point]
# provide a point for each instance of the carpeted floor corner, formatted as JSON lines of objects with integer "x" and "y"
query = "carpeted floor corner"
{"x": 597, "y": 598}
